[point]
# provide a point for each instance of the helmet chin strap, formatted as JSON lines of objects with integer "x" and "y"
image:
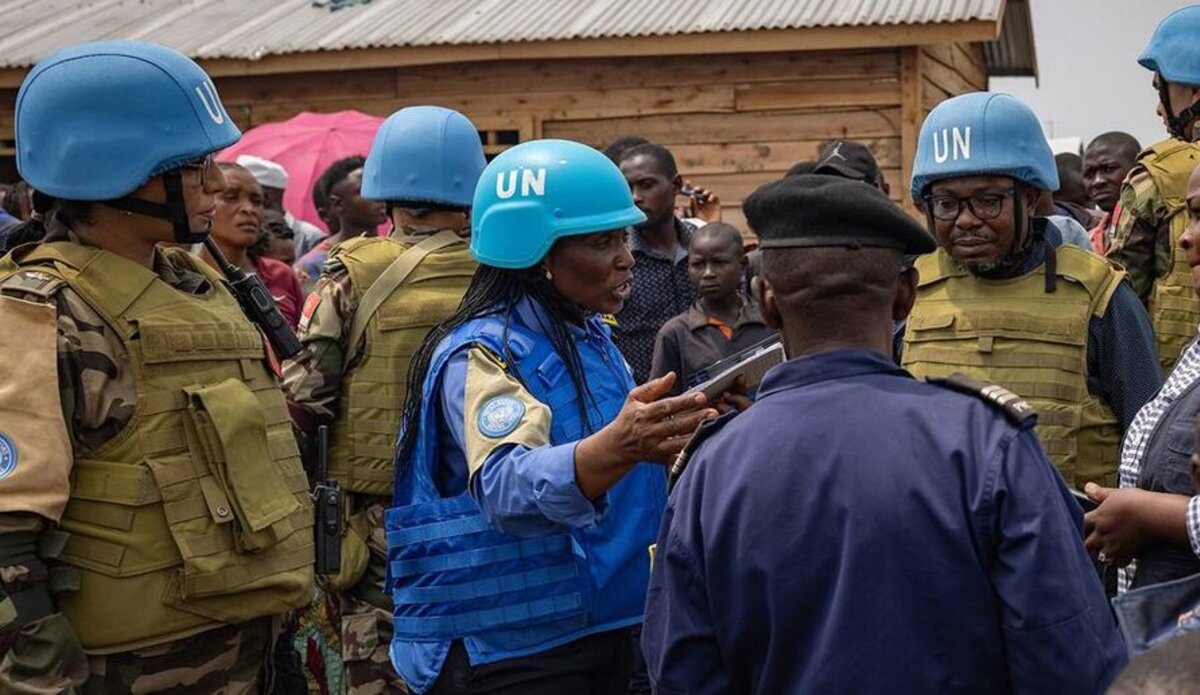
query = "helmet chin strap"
{"x": 173, "y": 211}
{"x": 1176, "y": 124}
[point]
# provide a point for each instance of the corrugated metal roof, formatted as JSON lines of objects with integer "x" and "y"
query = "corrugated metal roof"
{"x": 253, "y": 29}
{"x": 1013, "y": 54}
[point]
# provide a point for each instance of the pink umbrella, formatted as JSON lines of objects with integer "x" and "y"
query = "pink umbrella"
{"x": 306, "y": 145}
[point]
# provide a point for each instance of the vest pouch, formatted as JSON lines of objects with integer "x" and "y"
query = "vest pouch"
{"x": 229, "y": 424}
{"x": 115, "y": 520}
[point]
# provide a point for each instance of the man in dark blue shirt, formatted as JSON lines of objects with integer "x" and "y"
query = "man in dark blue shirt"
{"x": 857, "y": 530}
{"x": 661, "y": 289}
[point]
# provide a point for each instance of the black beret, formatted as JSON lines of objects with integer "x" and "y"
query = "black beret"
{"x": 817, "y": 210}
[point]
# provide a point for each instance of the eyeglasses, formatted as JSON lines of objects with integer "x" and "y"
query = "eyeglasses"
{"x": 985, "y": 206}
{"x": 204, "y": 166}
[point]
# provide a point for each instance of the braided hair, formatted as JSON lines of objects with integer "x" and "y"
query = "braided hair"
{"x": 496, "y": 291}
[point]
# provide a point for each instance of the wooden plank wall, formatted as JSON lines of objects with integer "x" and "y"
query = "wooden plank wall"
{"x": 734, "y": 121}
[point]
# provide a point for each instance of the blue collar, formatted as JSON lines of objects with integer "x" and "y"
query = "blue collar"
{"x": 827, "y": 366}
{"x": 529, "y": 313}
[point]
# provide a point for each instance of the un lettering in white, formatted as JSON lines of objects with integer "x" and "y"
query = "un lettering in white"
{"x": 954, "y": 143}
{"x": 212, "y": 103}
{"x": 533, "y": 183}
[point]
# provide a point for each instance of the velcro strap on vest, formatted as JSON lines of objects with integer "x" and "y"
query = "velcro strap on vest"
{"x": 450, "y": 626}
{"x": 484, "y": 556}
{"x": 920, "y": 352}
{"x": 437, "y": 531}
{"x": 490, "y": 586}
{"x": 229, "y": 579}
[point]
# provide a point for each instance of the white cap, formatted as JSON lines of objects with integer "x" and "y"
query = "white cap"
{"x": 264, "y": 171}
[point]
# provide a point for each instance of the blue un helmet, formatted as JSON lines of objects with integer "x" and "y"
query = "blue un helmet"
{"x": 424, "y": 154}
{"x": 540, "y": 191}
{"x": 982, "y": 133}
{"x": 1174, "y": 53}
{"x": 96, "y": 121}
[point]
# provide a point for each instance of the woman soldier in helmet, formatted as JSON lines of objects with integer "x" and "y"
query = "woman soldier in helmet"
{"x": 140, "y": 419}
{"x": 525, "y": 501}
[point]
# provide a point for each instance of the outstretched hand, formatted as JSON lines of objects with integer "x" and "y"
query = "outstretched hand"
{"x": 648, "y": 428}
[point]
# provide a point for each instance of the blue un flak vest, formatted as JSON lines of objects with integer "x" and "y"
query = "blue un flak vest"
{"x": 452, "y": 576}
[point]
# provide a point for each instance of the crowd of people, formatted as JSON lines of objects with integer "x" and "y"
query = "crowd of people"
{"x": 463, "y": 436}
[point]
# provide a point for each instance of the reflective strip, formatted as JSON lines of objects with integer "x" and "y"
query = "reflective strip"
{"x": 436, "y": 531}
{"x": 452, "y": 626}
{"x": 482, "y": 556}
{"x": 491, "y": 586}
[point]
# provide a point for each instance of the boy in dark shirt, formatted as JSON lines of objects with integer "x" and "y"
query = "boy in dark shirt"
{"x": 723, "y": 321}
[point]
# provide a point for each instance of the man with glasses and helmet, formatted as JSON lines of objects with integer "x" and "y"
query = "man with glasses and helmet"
{"x": 1004, "y": 301}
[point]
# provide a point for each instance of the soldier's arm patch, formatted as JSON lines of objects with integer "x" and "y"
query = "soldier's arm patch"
{"x": 310, "y": 308}
{"x": 35, "y": 445}
{"x": 1016, "y": 409}
{"x": 498, "y": 410}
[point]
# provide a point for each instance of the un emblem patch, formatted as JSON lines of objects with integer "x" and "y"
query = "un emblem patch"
{"x": 8, "y": 456}
{"x": 500, "y": 416}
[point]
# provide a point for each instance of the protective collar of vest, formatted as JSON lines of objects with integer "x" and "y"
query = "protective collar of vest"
{"x": 173, "y": 211}
{"x": 1177, "y": 124}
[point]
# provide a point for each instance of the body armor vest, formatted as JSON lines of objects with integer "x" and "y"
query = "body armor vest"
{"x": 452, "y": 576}
{"x": 1174, "y": 309}
{"x": 197, "y": 513}
{"x": 373, "y": 391}
{"x": 1013, "y": 333}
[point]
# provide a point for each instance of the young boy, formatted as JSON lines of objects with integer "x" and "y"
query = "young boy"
{"x": 722, "y": 322}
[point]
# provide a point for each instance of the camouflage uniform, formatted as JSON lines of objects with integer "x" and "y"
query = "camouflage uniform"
{"x": 313, "y": 384}
{"x": 98, "y": 393}
{"x": 1151, "y": 218}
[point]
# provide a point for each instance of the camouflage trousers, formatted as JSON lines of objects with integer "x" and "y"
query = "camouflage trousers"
{"x": 366, "y": 624}
{"x": 226, "y": 661}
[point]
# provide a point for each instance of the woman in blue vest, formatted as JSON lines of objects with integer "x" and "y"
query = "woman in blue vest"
{"x": 517, "y": 544}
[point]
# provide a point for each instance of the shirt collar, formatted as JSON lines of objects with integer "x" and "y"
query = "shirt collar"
{"x": 827, "y": 366}
{"x": 696, "y": 317}
{"x": 683, "y": 232}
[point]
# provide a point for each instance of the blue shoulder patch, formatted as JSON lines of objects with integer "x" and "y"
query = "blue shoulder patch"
{"x": 500, "y": 416}
{"x": 8, "y": 456}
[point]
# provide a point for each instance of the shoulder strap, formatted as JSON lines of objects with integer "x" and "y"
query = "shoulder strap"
{"x": 1016, "y": 409}
{"x": 703, "y": 432}
{"x": 392, "y": 278}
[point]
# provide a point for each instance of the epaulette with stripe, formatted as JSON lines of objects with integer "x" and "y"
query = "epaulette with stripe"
{"x": 1016, "y": 409}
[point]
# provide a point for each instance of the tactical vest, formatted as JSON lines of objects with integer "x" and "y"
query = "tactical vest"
{"x": 1014, "y": 334}
{"x": 197, "y": 513}
{"x": 1174, "y": 308}
{"x": 373, "y": 392}
{"x": 452, "y": 576}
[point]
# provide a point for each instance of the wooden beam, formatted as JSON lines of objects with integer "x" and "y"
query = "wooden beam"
{"x": 772, "y": 156}
{"x": 764, "y": 41}
{"x": 558, "y": 106}
{"x": 806, "y": 93}
{"x": 912, "y": 115}
{"x": 814, "y": 124}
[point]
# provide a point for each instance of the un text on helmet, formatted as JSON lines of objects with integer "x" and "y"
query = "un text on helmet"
{"x": 533, "y": 182}
{"x": 953, "y": 143}
{"x": 207, "y": 92}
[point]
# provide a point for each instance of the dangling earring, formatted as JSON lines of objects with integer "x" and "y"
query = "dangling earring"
{"x": 549, "y": 275}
